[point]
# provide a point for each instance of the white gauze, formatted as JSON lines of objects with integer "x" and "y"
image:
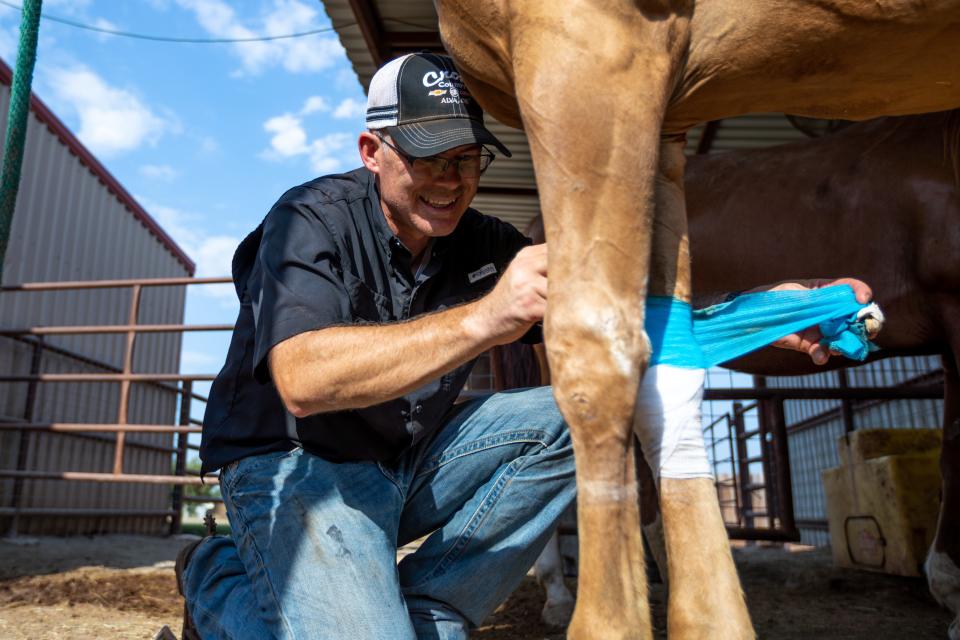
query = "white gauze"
{"x": 667, "y": 422}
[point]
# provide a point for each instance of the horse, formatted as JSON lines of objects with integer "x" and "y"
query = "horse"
{"x": 606, "y": 91}
{"x": 878, "y": 201}
{"x": 893, "y": 184}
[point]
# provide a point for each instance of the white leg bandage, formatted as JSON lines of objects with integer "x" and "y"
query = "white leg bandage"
{"x": 667, "y": 422}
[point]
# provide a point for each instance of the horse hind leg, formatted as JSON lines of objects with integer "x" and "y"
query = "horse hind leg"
{"x": 650, "y": 520}
{"x": 943, "y": 561}
{"x": 558, "y": 609}
{"x": 943, "y": 578}
{"x": 705, "y": 600}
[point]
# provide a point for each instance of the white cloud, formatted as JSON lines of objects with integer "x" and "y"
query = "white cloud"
{"x": 323, "y": 152}
{"x": 162, "y": 172}
{"x": 289, "y": 138}
{"x": 315, "y": 104}
{"x": 103, "y": 23}
{"x": 112, "y": 120}
{"x": 213, "y": 254}
{"x": 350, "y": 108}
{"x": 307, "y": 54}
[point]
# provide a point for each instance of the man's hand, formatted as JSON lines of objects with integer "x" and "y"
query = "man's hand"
{"x": 808, "y": 340}
{"x": 520, "y": 298}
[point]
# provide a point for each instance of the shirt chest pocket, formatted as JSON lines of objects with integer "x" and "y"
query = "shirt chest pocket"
{"x": 466, "y": 292}
{"x": 365, "y": 303}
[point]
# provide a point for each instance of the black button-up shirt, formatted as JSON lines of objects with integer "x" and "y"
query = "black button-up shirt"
{"x": 324, "y": 256}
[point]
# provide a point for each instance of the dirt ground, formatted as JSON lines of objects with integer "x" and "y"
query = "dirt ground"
{"x": 123, "y": 587}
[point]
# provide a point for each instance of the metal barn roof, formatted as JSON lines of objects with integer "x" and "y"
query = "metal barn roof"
{"x": 375, "y": 31}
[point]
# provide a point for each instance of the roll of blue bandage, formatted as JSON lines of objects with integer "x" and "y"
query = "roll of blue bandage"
{"x": 702, "y": 338}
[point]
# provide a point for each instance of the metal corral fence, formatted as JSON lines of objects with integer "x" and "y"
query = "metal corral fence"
{"x": 769, "y": 443}
{"x": 815, "y": 425}
{"x": 768, "y": 438}
{"x": 118, "y": 434}
{"x": 93, "y": 448}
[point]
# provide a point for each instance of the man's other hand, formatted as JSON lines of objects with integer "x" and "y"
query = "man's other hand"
{"x": 519, "y": 299}
{"x": 808, "y": 340}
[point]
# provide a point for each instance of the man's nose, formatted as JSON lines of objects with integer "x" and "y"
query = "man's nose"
{"x": 451, "y": 174}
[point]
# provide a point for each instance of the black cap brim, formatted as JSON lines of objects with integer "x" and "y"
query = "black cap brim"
{"x": 430, "y": 137}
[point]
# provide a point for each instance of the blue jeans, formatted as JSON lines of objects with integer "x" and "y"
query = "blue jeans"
{"x": 313, "y": 551}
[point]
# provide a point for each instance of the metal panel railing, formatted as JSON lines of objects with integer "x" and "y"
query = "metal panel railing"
{"x": 757, "y": 506}
{"x": 178, "y": 383}
{"x": 747, "y": 498}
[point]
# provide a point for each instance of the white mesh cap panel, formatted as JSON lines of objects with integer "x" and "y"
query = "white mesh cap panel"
{"x": 382, "y": 99}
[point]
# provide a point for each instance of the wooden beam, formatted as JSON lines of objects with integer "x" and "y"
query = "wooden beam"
{"x": 411, "y": 41}
{"x": 372, "y": 29}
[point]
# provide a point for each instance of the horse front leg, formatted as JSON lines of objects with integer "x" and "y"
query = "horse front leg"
{"x": 592, "y": 109}
{"x": 597, "y": 350}
{"x": 705, "y": 596}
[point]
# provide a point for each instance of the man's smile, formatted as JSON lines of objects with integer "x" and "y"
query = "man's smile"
{"x": 440, "y": 203}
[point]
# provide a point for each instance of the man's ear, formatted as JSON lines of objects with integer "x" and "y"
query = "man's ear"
{"x": 368, "y": 145}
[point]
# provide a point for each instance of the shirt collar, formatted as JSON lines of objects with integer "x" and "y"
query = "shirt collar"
{"x": 384, "y": 234}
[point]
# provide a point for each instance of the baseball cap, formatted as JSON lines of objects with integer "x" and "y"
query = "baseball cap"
{"x": 421, "y": 101}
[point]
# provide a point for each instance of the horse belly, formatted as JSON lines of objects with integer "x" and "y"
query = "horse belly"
{"x": 828, "y": 60}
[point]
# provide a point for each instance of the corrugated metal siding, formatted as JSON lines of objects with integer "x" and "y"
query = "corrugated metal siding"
{"x": 751, "y": 132}
{"x": 68, "y": 226}
{"x": 813, "y": 448}
{"x": 513, "y": 209}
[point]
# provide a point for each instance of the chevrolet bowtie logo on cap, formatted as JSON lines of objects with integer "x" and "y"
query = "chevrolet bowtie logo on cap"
{"x": 420, "y": 100}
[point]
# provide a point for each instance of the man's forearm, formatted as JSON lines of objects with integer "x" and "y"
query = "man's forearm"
{"x": 358, "y": 366}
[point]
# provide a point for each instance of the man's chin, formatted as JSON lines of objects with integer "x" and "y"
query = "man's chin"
{"x": 435, "y": 226}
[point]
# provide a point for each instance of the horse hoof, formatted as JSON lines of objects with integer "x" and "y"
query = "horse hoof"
{"x": 558, "y": 614}
{"x": 943, "y": 578}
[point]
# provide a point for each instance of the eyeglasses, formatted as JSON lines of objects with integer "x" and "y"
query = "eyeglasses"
{"x": 468, "y": 165}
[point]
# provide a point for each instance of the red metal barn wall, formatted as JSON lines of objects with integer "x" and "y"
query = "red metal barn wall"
{"x": 75, "y": 222}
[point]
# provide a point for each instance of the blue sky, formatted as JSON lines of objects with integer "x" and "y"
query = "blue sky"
{"x": 205, "y": 136}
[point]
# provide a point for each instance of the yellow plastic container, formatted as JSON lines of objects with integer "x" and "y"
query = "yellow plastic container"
{"x": 882, "y": 502}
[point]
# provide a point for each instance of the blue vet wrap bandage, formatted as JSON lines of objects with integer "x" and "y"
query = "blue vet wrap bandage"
{"x": 669, "y": 325}
{"x": 706, "y": 337}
